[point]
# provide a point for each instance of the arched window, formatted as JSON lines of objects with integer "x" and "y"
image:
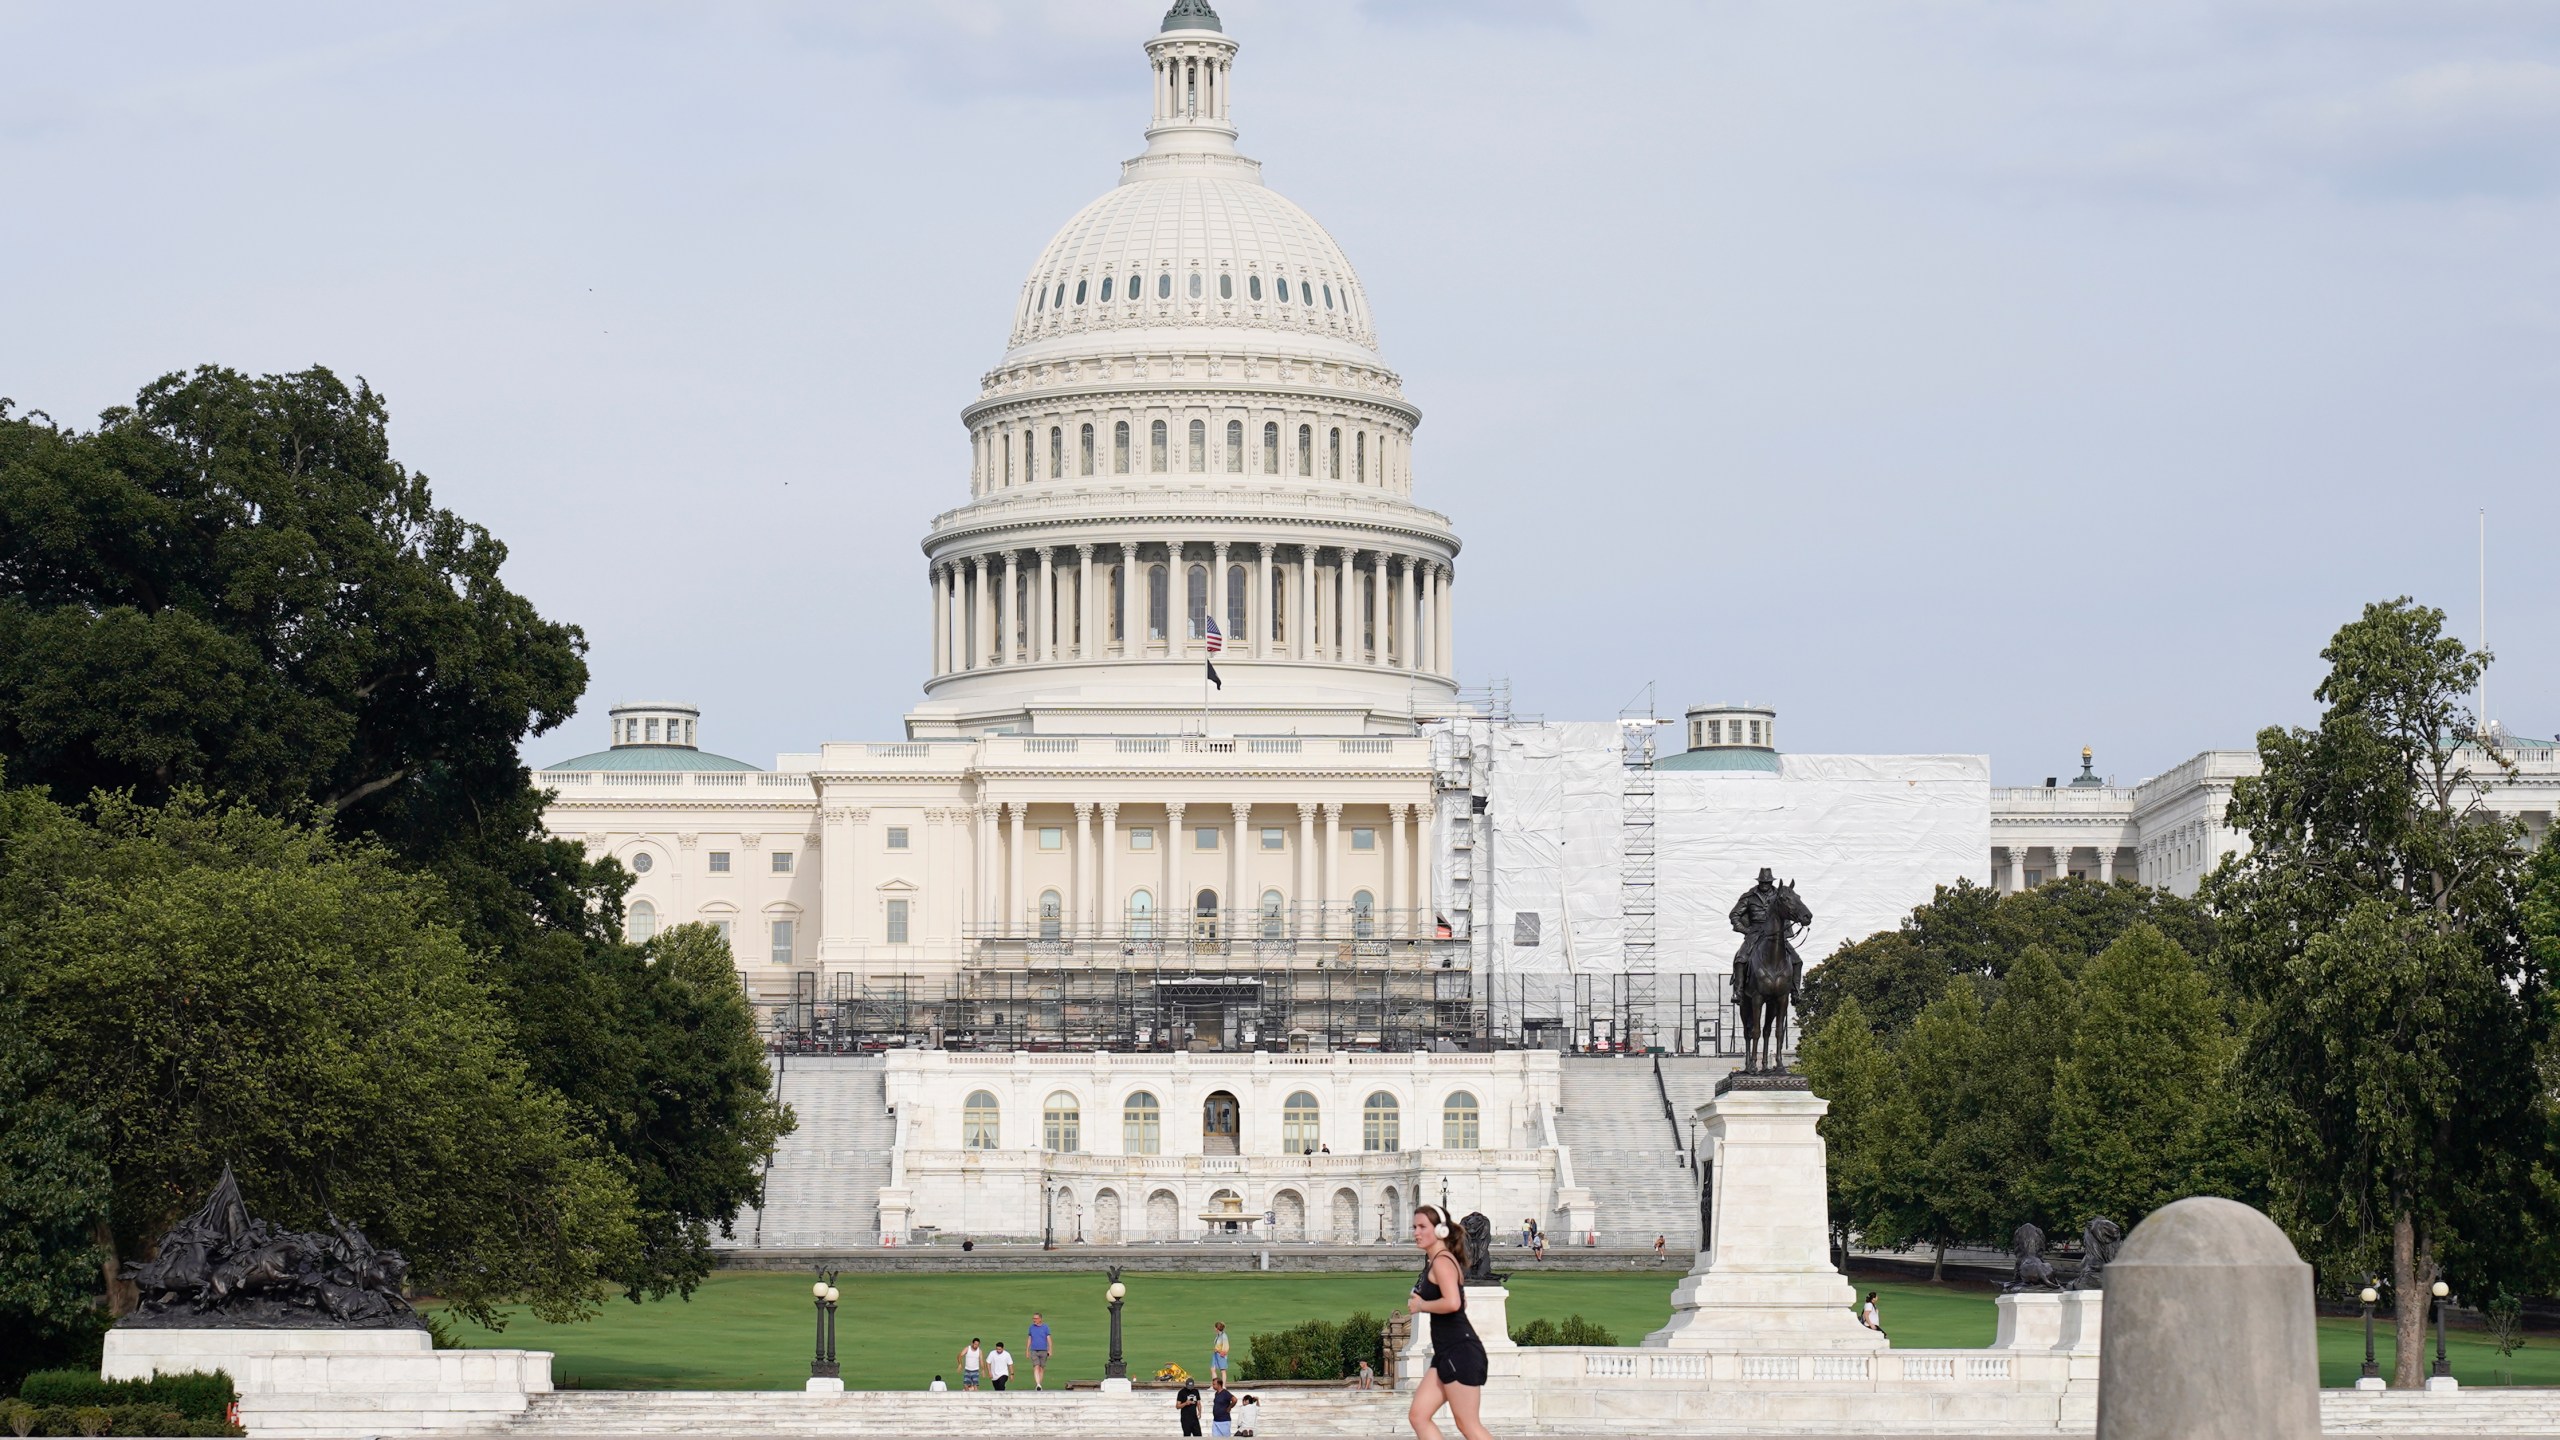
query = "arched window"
{"x": 1195, "y": 284}
{"x": 1196, "y": 598}
{"x": 1333, "y": 454}
{"x": 1039, "y": 299}
{"x": 1280, "y": 287}
{"x": 1459, "y": 1129}
{"x": 1079, "y": 292}
{"x": 1053, "y": 913}
{"x": 980, "y": 1127}
{"x": 1279, "y": 605}
{"x": 1156, "y": 621}
{"x": 1271, "y": 448}
{"x": 1137, "y": 286}
{"x": 1301, "y": 1124}
{"x": 1253, "y": 287}
{"x": 1306, "y": 450}
{"x": 1275, "y": 916}
{"x": 1106, "y": 289}
{"x": 1328, "y": 297}
{"x": 1061, "y": 1124}
{"x": 1057, "y": 453}
{"x": 1164, "y": 285}
{"x": 1141, "y": 1124}
{"x": 1364, "y": 914}
{"x": 1155, "y": 447}
{"x": 1235, "y": 602}
{"x": 1204, "y": 911}
{"x": 1008, "y": 459}
{"x": 1142, "y": 915}
{"x": 641, "y": 921}
{"x": 1306, "y": 295}
{"x": 1085, "y": 465}
{"x": 1199, "y": 446}
{"x": 1360, "y": 456}
{"x": 1120, "y": 447}
{"x": 1235, "y": 447}
{"x": 1061, "y": 299}
{"x": 1379, "y": 1123}
{"x": 1226, "y": 286}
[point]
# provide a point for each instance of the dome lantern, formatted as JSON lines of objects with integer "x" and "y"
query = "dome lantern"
{"x": 1192, "y": 59}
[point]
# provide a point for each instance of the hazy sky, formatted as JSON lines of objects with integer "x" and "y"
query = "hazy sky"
{"x": 1955, "y": 376}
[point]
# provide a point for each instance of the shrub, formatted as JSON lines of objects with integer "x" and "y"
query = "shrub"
{"x": 2505, "y": 1318}
{"x": 1572, "y": 1330}
{"x": 18, "y": 1415}
{"x": 92, "y": 1419}
{"x": 1315, "y": 1350}
{"x": 198, "y": 1395}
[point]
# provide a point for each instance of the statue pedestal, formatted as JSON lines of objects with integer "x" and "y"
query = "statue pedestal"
{"x": 1116, "y": 1386}
{"x": 1489, "y": 1311}
{"x": 1767, "y": 1281}
{"x": 825, "y": 1385}
{"x": 316, "y": 1383}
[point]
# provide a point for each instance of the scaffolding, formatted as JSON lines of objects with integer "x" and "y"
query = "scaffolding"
{"x": 1637, "y": 902}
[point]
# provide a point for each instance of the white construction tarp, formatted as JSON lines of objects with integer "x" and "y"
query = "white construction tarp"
{"x": 1864, "y": 837}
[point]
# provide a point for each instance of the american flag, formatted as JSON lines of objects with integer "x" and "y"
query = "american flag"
{"x": 1209, "y": 626}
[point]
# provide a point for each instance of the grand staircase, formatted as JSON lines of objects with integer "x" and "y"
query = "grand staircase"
{"x": 900, "y": 1413}
{"x": 1627, "y": 1153}
{"x": 824, "y": 1188}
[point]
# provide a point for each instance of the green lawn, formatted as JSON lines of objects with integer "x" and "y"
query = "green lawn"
{"x": 746, "y": 1330}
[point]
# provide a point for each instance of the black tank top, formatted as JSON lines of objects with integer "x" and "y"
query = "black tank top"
{"x": 1453, "y": 1328}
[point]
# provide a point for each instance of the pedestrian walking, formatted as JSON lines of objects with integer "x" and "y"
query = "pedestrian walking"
{"x": 1222, "y": 1407}
{"x": 1218, "y": 1353}
{"x": 1248, "y": 1410}
{"x": 1039, "y": 1352}
{"x": 1457, "y": 1374}
{"x": 999, "y": 1366}
{"x": 1186, "y": 1403}
{"x": 1657, "y": 1249}
{"x": 971, "y": 1357}
{"x": 1868, "y": 1317}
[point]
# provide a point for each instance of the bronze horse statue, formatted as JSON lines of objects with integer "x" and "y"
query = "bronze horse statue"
{"x": 1767, "y": 970}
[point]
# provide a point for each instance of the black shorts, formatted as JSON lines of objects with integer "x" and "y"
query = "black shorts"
{"x": 1459, "y": 1364}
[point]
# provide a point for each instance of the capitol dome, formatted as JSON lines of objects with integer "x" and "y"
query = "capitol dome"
{"x": 1190, "y": 449}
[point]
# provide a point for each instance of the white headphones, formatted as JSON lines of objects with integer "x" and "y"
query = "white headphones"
{"x": 1442, "y": 1231}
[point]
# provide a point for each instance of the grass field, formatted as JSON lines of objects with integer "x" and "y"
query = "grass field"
{"x": 747, "y": 1330}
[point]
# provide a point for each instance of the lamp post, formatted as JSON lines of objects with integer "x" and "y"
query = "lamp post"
{"x": 824, "y": 1374}
{"x": 2370, "y": 1378}
{"x": 2441, "y": 1377}
{"x": 1115, "y": 1370}
{"x": 1048, "y": 1218}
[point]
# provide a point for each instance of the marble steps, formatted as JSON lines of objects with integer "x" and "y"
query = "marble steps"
{"x": 912, "y": 1412}
{"x": 1623, "y": 1152}
{"x": 824, "y": 1187}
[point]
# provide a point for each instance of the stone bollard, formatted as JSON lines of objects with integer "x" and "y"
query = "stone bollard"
{"x": 2209, "y": 1332}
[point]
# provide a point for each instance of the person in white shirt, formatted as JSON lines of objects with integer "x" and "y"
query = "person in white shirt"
{"x": 937, "y": 1387}
{"x": 999, "y": 1366}
{"x": 1247, "y": 1411}
{"x": 1868, "y": 1316}
{"x": 970, "y": 1358}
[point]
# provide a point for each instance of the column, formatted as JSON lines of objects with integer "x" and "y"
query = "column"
{"x": 1088, "y": 646}
{"x": 2106, "y": 864}
{"x": 1107, "y": 910}
{"x": 1009, "y": 610}
{"x": 1448, "y": 651}
{"x": 1218, "y": 597}
{"x": 1262, "y": 606}
{"x": 1241, "y": 898}
{"x": 1079, "y": 902}
{"x": 1332, "y": 865}
{"x": 1399, "y": 885}
{"x": 1174, "y": 918}
{"x": 2017, "y": 868}
{"x": 1302, "y": 609}
{"x": 1044, "y": 609}
{"x": 1344, "y": 641}
{"x": 1015, "y": 812}
{"x": 1132, "y": 608}
{"x": 1425, "y": 902}
{"x": 1379, "y": 609}
{"x": 1302, "y": 886}
{"x": 982, "y": 638}
{"x": 986, "y": 864}
{"x": 2061, "y": 863}
{"x": 1412, "y": 613}
{"x": 840, "y": 843}
{"x": 957, "y": 578}
{"x": 1177, "y": 604}
{"x": 941, "y": 617}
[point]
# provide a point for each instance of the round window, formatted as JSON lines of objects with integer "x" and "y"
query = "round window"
{"x": 641, "y": 862}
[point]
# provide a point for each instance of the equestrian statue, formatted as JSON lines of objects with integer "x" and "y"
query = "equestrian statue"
{"x": 1768, "y": 974}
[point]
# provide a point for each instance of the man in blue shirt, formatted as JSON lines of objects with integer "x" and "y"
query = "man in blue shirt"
{"x": 1222, "y": 1407}
{"x": 1039, "y": 1352}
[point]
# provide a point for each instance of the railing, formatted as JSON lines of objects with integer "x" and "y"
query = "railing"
{"x": 1874, "y": 1371}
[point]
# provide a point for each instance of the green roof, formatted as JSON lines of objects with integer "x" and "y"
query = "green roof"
{"x": 1741, "y": 757}
{"x": 1191, "y": 15}
{"x": 650, "y": 757}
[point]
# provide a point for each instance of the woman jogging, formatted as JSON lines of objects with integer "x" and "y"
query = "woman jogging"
{"x": 1456, "y": 1376}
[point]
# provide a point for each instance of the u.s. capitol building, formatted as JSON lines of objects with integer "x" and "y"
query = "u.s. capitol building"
{"x": 1292, "y": 947}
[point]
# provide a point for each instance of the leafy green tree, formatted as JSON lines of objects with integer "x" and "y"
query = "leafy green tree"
{"x": 216, "y": 985}
{"x": 233, "y": 585}
{"x": 1930, "y": 1136}
{"x": 1967, "y": 930}
{"x": 2026, "y": 1034}
{"x": 2393, "y": 1012}
{"x": 2142, "y": 1109}
{"x": 1847, "y": 1066}
{"x": 53, "y": 1208}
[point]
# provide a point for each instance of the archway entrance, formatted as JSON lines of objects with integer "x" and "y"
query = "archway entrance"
{"x": 1220, "y": 1121}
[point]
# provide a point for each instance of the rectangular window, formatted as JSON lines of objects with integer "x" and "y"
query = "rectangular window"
{"x": 719, "y": 862}
{"x": 1364, "y": 838}
{"x": 897, "y": 837}
{"x": 1274, "y": 838}
{"x": 897, "y": 922}
{"x": 721, "y": 929}
{"x": 1142, "y": 837}
{"x": 781, "y": 862}
{"x": 781, "y": 942}
{"x": 1205, "y": 838}
{"x": 1053, "y": 837}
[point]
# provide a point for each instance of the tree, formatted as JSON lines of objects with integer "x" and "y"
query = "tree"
{"x": 232, "y": 585}
{"x": 2026, "y": 1034}
{"x": 1930, "y": 1149}
{"x": 53, "y": 1204}
{"x": 2142, "y": 1110}
{"x": 215, "y": 985}
{"x": 1967, "y": 930}
{"x": 2393, "y": 1013}
{"x": 1846, "y": 1066}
